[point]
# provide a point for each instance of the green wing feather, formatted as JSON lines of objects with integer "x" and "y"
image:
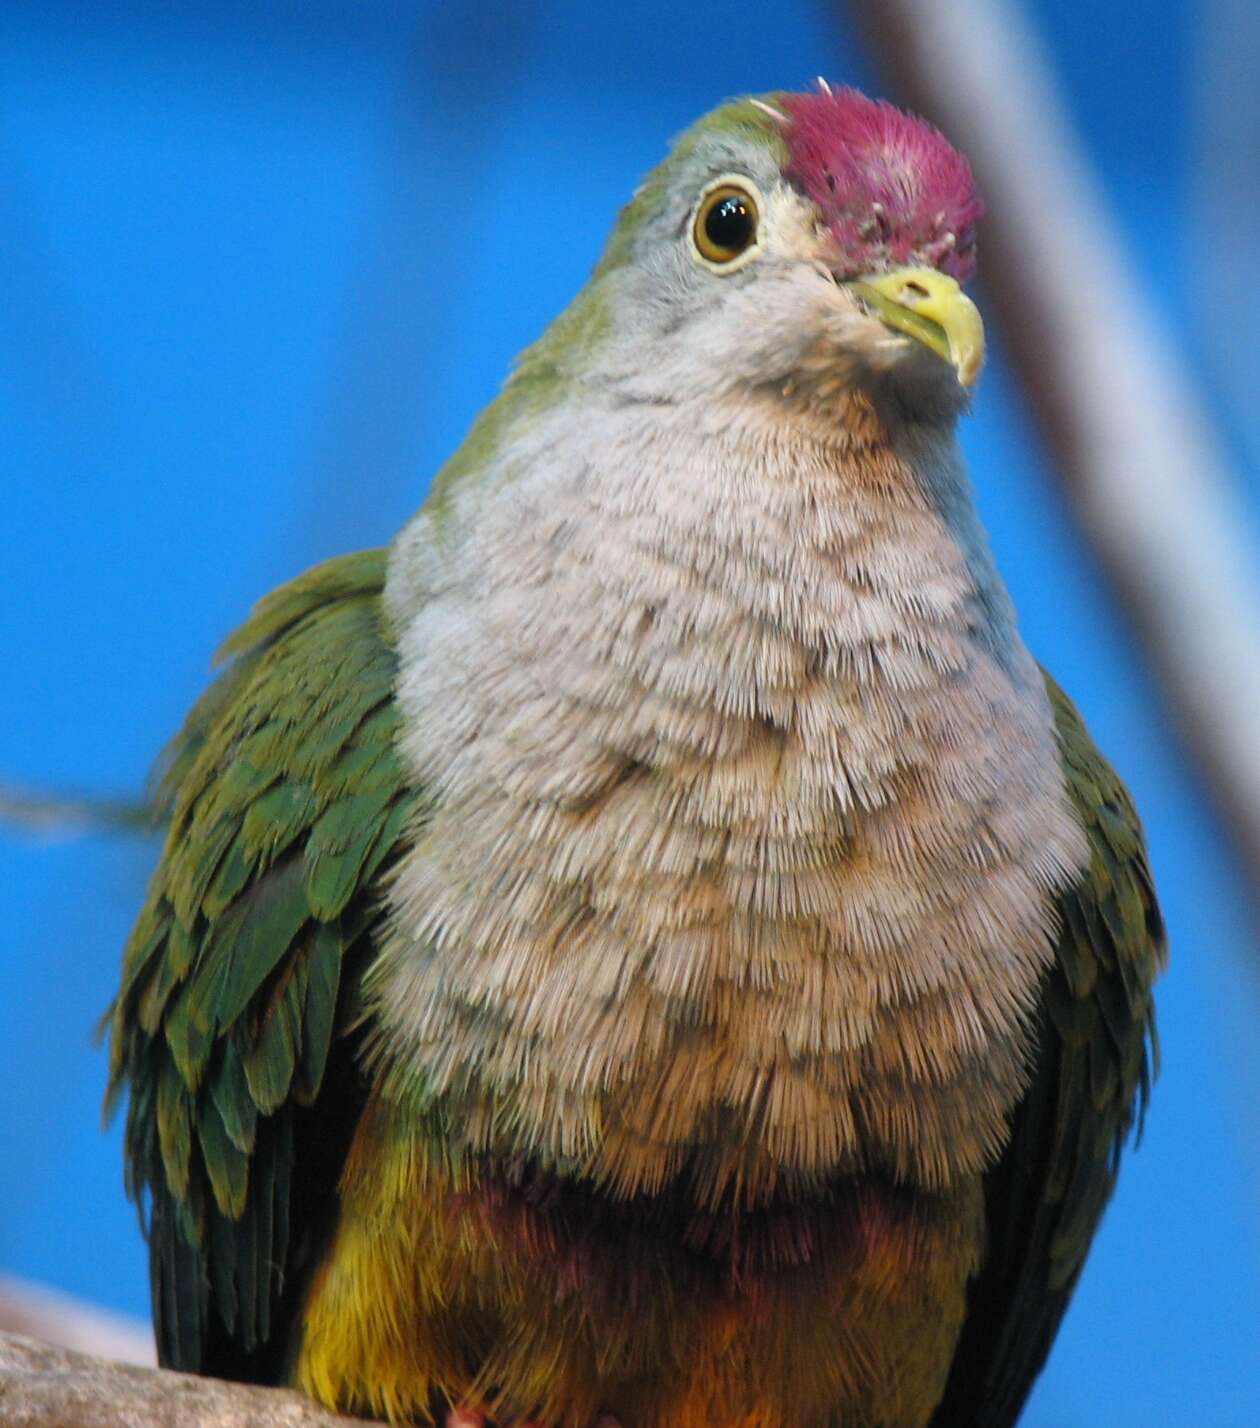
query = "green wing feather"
{"x": 1044, "y": 1199}
{"x": 233, "y": 1030}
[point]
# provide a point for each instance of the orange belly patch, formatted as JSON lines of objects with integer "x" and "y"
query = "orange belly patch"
{"x": 541, "y": 1300}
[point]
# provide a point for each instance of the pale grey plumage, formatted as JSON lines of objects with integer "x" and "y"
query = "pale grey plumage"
{"x": 713, "y": 680}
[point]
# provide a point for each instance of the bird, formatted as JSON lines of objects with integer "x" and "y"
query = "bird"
{"x": 651, "y": 946}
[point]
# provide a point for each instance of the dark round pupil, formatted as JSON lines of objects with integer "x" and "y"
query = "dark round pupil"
{"x": 729, "y": 223}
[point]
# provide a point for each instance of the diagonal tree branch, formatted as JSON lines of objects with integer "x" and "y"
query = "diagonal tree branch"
{"x": 1132, "y": 446}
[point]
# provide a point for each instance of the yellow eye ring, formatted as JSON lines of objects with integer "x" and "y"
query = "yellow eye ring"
{"x": 725, "y": 228}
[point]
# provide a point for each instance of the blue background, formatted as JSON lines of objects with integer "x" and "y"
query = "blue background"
{"x": 260, "y": 264}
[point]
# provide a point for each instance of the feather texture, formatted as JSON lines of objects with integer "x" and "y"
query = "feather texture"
{"x": 286, "y": 802}
{"x": 1096, "y": 1046}
{"x": 224, "y": 1032}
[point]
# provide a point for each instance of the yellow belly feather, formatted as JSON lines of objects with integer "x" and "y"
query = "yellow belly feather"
{"x": 439, "y": 1289}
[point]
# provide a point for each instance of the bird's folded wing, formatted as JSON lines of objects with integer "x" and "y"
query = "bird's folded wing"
{"x": 1096, "y": 1043}
{"x": 234, "y": 1027}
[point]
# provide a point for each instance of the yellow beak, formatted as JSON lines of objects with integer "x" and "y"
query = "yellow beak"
{"x": 931, "y": 308}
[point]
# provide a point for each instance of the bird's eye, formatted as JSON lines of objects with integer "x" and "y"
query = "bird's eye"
{"x": 725, "y": 226}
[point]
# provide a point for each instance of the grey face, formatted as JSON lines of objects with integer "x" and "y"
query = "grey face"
{"x": 701, "y": 309}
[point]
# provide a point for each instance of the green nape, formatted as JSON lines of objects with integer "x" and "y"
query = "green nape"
{"x": 544, "y": 370}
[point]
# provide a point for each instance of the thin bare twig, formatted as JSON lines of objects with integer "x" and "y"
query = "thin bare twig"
{"x": 53, "y": 816}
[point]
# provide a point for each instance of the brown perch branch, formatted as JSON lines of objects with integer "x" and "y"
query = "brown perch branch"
{"x": 46, "y": 1387}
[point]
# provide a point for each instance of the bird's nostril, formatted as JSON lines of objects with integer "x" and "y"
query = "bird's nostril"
{"x": 913, "y": 289}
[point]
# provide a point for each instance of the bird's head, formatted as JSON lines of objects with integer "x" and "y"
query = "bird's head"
{"x": 808, "y": 243}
